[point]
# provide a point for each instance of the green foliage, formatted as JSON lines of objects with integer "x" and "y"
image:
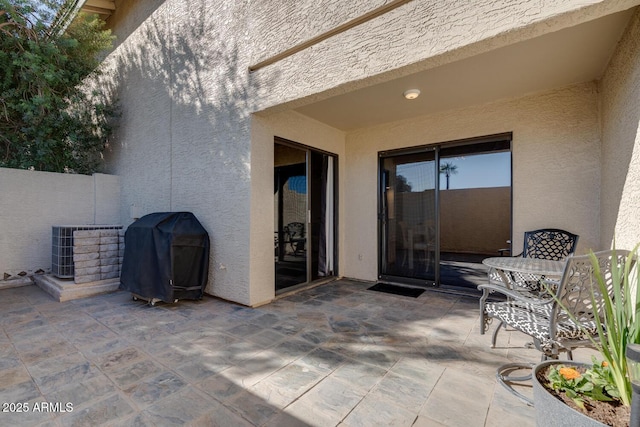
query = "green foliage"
{"x": 48, "y": 119}
{"x": 596, "y": 382}
{"x": 448, "y": 169}
{"x": 619, "y": 326}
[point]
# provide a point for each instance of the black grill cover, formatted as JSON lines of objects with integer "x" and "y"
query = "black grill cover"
{"x": 166, "y": 257}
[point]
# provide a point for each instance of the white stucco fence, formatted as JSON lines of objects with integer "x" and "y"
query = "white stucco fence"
{"x": 32, "y": 202}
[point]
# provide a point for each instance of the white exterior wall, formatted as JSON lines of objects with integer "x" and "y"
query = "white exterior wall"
{"x": 556, "y": 172}
{"x": 620, "y": 87}
{"x": 32, "y": 202}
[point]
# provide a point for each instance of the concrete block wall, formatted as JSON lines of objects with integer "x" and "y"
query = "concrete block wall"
{"x": 97, "y": 254}
{"x": 31, "y": 202}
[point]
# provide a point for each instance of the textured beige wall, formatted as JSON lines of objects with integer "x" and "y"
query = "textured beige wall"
{"x": 298, "y": 128}
{"x": 183, "y": 141}
{"x": 419, "y": 35}
{"x": 32, "y": 202}
{"x": 620, "y": 88}
{"x": 556, "y": 158}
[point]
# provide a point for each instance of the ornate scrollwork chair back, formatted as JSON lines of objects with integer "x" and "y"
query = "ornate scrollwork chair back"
{"x": 294, "y": 235}
{"x": 549, "y": 243}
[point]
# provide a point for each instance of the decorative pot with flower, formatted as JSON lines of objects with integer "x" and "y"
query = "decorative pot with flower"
{"x": 607, "y": 384}
{"x": 574, "y": 394}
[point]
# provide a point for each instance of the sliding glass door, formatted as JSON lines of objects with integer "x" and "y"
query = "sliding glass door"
{"x": 408, "y": 216}
{"x": 304, "y": 206}
{"x": 442, "y": 209}
{"x": 474, "y": 209}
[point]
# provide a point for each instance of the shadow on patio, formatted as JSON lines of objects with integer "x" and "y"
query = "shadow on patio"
{"x": 334, "y": 354}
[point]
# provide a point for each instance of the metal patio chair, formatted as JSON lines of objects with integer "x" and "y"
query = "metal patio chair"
{"x": 294, "y": 237}
{"x": 562, "y": 324}
{"x": 427, "y": 244}
{"x": 547, "y": 243}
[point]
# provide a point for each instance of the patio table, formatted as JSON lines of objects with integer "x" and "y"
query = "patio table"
{"x": 540, "y": 267}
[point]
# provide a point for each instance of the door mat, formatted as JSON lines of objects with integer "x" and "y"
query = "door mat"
{"x": 397, "y": 290}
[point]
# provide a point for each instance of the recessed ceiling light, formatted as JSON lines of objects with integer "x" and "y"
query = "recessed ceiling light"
{"x": 411, "y": 93}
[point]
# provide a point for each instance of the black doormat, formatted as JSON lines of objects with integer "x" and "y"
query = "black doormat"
{"x": 397, "y": 290}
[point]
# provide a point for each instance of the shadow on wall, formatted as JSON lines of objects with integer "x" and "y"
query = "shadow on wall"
{"x": 183, "y": 140}
{"x": 188, "y": 62}
{"x": 128, "y": 16}
{"x": 621, "y": 132}
{"x": 193, "y": 61}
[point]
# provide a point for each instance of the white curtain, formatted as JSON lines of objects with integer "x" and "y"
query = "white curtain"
{"x": 329, "y": 219}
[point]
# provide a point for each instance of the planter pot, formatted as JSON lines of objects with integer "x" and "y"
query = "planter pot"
{"x": 551, "y": 412}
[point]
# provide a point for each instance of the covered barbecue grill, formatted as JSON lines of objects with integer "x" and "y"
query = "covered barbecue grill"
{"x": 166, "y": 257}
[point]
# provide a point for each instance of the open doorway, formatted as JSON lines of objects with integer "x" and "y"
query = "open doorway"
{"x": 442, "y": 209}
{"x": 304, "y": 207}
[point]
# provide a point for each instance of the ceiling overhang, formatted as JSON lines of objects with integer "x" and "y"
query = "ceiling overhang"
{"x": 559, "y": 59}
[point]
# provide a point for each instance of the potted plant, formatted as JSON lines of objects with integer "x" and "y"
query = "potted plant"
{"x": 567, "y": 393}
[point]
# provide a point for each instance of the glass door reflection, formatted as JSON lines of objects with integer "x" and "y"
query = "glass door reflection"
{"x": 442, "y": 209}
{"x": 291, "y": 228}
{"x": 475, "y": 209}
{"x": 305, "y": 226}
{"x": 408, "y": 212}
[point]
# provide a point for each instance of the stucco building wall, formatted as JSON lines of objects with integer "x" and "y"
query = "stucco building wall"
{"x": 183, "y": 141}
{"x": 416, "y": 36}
{"x": 197, "y": 127}
{"x": 556, "y": 165}
{"x": 620, "y": 95}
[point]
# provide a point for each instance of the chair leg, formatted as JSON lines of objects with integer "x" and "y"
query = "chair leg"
{"x": 484, "y": 321}
{"x": 506, "y": 380}
{"x": 495, "y": 333}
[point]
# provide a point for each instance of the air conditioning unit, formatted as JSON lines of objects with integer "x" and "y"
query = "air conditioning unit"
{"x": 62, "y": 247}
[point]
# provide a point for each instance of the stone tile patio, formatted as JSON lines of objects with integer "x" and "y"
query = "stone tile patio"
{"x": 336, "y": 354}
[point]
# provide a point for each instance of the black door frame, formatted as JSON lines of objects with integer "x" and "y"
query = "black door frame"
{"x": 448, "y": 148}
{"x": 312, "y": 212}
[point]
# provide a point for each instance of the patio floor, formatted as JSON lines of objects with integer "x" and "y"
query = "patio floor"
{"x": 336, "y": 354}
